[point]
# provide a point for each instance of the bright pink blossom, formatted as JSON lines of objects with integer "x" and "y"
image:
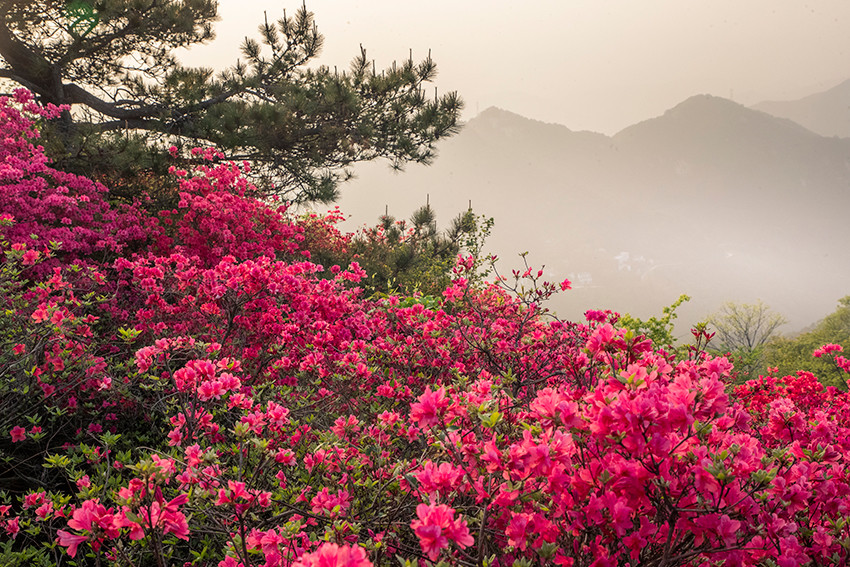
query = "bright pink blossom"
{"x": 18, "y": 433}
{"x": 71, "y": 541}
{"x": 436, "y": 526}
{"x": 333, "y": 555}
{"x": 426, "y": 411}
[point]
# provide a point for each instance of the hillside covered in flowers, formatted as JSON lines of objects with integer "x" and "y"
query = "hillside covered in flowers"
{"x": 189, "y": 386}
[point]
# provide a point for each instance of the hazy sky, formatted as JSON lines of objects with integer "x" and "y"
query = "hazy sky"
{"x": 588, "y": 64}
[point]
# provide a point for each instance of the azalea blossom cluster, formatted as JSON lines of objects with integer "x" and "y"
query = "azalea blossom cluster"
{"x": 216, "y": 398}
{"x": 51, "y": 206}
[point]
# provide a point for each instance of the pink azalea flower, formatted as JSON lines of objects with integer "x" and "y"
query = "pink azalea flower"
{"x": 230, "y": 562}
{"x": 44, "y": 511}
{"x": 827, "y": 349}
{"x": 13, "y": 527}
{"x": 30, "y": 257}
{"x": 92, "y": 515}
{"x": 437, "y": 525}
{"x": 326, "y": 503}
{"x": 40, "y": 314}
{"x": 34, "y": 499}
{"x": 431, "y": 540}
{"x": 516, "y": 530}
{"x": 71, "y": 541}
{"x": 600, "y": 338}
{"x": 333, "y": 555}
{"x": 443, "y": 478}
{"x": 425, "y": 411}
{"x": 18, "y": 433}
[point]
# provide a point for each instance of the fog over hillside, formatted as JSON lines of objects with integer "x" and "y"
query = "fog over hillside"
{"x": 712, "y": 199}
{"x": 827, "y": 113}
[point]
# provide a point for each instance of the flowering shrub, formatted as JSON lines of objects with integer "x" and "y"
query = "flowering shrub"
{"x": 216, "y": 217}
{"x": 51, "y": 206}
{"x": 232, "y": 404}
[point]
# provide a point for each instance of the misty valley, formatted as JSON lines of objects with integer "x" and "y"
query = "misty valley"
{"x": 711, "y": 199}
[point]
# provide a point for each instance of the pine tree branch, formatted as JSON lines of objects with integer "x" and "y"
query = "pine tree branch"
{"x": 101, "y": 42}
{"x": 30, "y": 66}
{"x": 74, "y": 94}
{"x": 9, "y": 74}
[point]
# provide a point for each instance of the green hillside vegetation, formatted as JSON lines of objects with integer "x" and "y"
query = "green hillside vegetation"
{"x": 791, "y": 354}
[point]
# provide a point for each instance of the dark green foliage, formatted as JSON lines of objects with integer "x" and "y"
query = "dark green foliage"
{"x": 113, "y": 60}
{"x": 415, "y": 257}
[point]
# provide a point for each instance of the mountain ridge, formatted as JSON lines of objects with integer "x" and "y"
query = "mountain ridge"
{"x": 711, "y": 198}
{"x": 826, "y": 113}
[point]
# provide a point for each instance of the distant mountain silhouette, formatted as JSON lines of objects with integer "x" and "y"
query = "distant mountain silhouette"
{"x": 717, "y": 148}
{"x": 718, "y": 134}
{"x": 712, "y": 199}
{"x": 826, "y": 113}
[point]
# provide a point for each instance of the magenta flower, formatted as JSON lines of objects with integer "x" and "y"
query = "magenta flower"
{"x": 18, "y": 433}
{"x": 443, "y": 478}
{"x": 329, "y": 504}
{"x": 91, "y": 516}
{"x": 827, "y": 349}
{"x": 333, "y": 555}
{"x": 426, "y": 411}
{"x": 71, "y": 541}
{"x": 13, "y": 527}
{"x": 437, "y": 526}
{"x": 30, "y": 257}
